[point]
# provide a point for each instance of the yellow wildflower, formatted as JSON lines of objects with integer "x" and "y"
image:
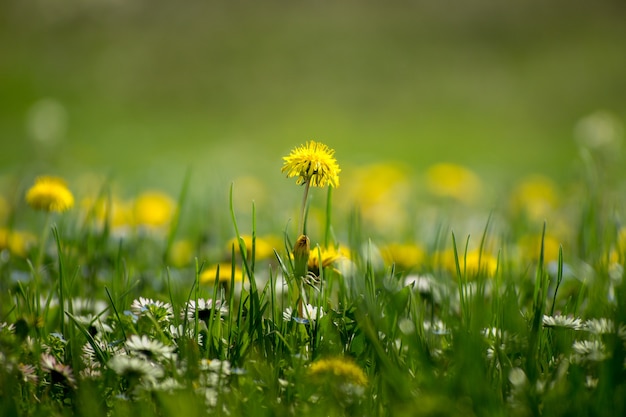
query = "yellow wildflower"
{"x": 453, "y": 181}
{"x": 382, "y": 192}
{"x": 181, "y": 253}
{"x": 314, "y": 164}
{"x": 50, "y": 194}
{"x": 472, "y": 263}
{"x": 535, "y": 196}
{"x": 225, "y": 272}
{"x": 118, "y": 213}
{"x": 339, "y": 370}
{"x": 530, "y": 246}
{"x": 263, "y": 247}
{"x": 328, "y": 257}
{"x": 153, "y": 208}
{"x": 16, "y": 242}
{"x": 403, "y": 255}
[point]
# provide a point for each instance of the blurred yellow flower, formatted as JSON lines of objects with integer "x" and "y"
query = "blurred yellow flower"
{"x": 535, "y": 196}
{"x": 50, "y": 194}
{"x": 314, "y": 163}
{"x": 207, "y": 276}
{"x": 453, "y": 181}
{"x": 153, "y": 208}
{"x": 472, "y": 263}
{"x": 16, "y": 242}
{"x": 181, "y": 253}
{"x": 381, "y": 192}
{"x": 263, "y": 246}
{"x": 337, "y": 370}
{"x": 328, "y": 257}
{"x": 406, "y": 255}
{"x": 119, "y": 213}
{"x": 530, "y": 246}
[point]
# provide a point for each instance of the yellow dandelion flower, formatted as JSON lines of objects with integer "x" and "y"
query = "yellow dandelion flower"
{"x": 118, "y": 213}
{"x": 263, "y": 247}
{"x": 225, "y": 271}
{"x": 314, "y": 163}
{"x": 535, "y": 196}
{"x": 50, "y": 194}
{"x": 453, "y": 181}
{"x": 181, "y": 253}
{"x": 530, "y": 246}
{"x": 403, "y": 255}
{"x": 16, "y": 242}
{"x": 153, "y": 208}
{"x": 340, "y": 370}
{"x": 328, "y": 257}
{"x": 475, "y": 263}
{"x": 472, "y": 263}
{"x": 381, "y": 192}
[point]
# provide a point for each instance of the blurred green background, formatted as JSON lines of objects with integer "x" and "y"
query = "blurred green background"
{"x": 145, "y": 89}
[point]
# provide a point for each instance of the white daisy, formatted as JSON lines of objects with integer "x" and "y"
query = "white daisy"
{"x": 310, "y": 313}
{"x": 135, "y": 368}
{"x": 599, "y": 326}
{"x": 204, "y": 307}
{"x": 162, "y": 312}
{"x": 591, "y": 350}
{"x": 58, "y": 372}
{"x": 148, "y": 348}
{"x": 565, "y": 322}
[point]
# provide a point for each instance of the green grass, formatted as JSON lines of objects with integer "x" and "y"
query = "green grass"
{"x": 106, "y": 323}
{"x": 500, "y": 303}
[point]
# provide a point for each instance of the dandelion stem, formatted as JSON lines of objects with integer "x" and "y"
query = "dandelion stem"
{"x": 307, "y": 185}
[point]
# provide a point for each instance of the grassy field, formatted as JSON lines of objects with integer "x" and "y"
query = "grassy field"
{"x": 470, "y": 262}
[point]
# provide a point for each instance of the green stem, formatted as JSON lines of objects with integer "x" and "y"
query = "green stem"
{"x": 307, "y": 185}
{"x": 42, "y": 244}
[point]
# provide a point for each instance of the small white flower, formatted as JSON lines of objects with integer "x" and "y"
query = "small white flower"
{"x": 560, "y": 321}
{"x": 436, "y": 327}
{"x": 599, "y": 326}
{"x": 517, "y": 377}
{"x": 310, "y": 313}
{"x": 204, "y": 308}
{"x": 135, "y": 367}
{"x": 59, "y": 373}
{"x": 158, "y": 309}
{"x": 148, "y": 348}
{"x": 591, "y": 350}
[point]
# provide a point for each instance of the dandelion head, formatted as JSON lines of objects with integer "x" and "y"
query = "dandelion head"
{"x": 535, "y": 196}
{"x": 153, "y": 209}
{"x": 223, "y": 271}
{"x": 50, "y": 194}
{"x": 16, "y": 242}
{"x": 454, "y": 181}
{"x": 312, "y": 163}
{"x": 263, "y": 247}
{"x": 340, "y": 370}
{"x": 324, "y": 257}
{"x": 407, "y": 255}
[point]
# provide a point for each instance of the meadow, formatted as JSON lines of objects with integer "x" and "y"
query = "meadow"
{"x": 114, "y": 309}
{"x": 320, "y": 209}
